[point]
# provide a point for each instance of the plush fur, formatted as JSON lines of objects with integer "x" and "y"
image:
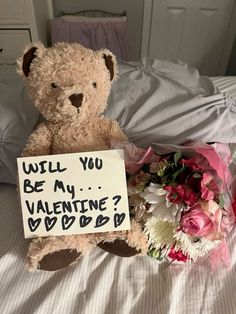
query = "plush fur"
{"x": 69, "y": 85}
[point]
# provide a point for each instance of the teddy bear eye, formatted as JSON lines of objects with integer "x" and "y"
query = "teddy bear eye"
{"x": 94, "y": 84}
{"x": 54, "y": 85}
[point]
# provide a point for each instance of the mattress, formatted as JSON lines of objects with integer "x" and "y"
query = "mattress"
{"x": 104, "y": 284}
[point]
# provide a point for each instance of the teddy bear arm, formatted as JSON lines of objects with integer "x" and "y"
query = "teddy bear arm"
{"x": 110, "y": 130}
{"x": 39, "y": 142}
{"x": 116, "y": 132}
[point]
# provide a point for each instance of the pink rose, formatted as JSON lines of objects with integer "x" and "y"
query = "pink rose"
{"x": 203, "y": 220}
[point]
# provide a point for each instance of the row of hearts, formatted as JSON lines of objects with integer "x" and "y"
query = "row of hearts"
{"x": 68, "y": 221}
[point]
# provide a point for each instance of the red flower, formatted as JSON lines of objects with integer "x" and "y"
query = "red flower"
{"x": 187, "y": 195}
{"x": 181, "y": 193}
{"x": 234, "y": 208}
{"x": 196, "y": 163}
{"x": 173, "y": 196}
{"x": 177, "y": 255}
{"x": 194, "y": 183}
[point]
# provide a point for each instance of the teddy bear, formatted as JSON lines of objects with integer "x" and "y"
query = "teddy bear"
{"x": 69, "y": 85}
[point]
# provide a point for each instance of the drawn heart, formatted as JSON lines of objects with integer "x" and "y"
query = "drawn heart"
{"x": 84, "y": 221}
{"x": 101, "y": 220}
{"x": 34, "y": 223}
{"x": 67, "y": 221}
{"x": 118, "y": 219}
{"x": 50, "y": 222}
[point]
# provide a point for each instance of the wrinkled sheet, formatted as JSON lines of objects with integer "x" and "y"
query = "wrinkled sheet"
{"x": 104, "y": 284}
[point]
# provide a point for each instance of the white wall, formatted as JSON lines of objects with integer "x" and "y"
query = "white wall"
{"x": 133, "y": 8}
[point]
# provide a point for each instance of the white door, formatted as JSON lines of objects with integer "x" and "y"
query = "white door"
{"x": 194, "y": 31}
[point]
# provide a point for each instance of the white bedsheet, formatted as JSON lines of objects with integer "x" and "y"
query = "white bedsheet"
{"x": 226, "y": 83}
{"x": 105, "y": 284}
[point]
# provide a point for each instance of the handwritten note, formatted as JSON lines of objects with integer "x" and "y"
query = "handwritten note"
{"x": 73, "y": 193}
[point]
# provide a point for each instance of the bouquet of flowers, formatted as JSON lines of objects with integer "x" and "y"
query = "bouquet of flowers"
{"x": 182, "y": 198}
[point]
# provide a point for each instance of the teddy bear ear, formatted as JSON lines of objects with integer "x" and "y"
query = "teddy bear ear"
{"x": 110, "y": 62}
{"x": 30, "y": 53}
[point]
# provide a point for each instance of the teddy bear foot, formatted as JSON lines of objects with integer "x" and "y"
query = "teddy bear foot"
{"x": 119, "y": 248}
{"x": 58, "y": 260}
{"x": 125, "y": 243}
{"x": 54, "y": 253}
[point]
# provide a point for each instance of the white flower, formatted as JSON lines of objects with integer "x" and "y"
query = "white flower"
{"x": 161, "y": 207}
{"x": 160, "y": 233}
{"x": 193, "y": 249}
{"x": 163, "y": 235}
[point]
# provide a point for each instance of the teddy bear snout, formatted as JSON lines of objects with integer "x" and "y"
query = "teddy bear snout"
{"x": 76, "y": 100}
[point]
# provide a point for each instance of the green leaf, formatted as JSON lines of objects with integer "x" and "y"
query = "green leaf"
{"x": 155, "y": 254}
{"x": 177, "y": 157}
{"x": 221, "y": 203}
{"x": 161, "y": 172}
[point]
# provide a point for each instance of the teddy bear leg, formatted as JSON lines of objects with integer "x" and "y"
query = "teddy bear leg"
{"x": 127, "y": 243}
{"x": 54, "y": 253}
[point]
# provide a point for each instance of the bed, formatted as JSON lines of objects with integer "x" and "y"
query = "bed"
{"x": 102, "y": 283}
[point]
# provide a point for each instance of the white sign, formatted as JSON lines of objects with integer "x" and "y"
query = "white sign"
{"x": 73, "y": 193}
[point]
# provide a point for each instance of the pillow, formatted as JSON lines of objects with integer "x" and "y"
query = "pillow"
{"x": 17, "y": 120}
{"x": 168, "y": 102}
{"x": 155, "y": 101}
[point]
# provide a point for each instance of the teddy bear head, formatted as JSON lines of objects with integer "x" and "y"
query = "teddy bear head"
{"x": 68, "y": 81}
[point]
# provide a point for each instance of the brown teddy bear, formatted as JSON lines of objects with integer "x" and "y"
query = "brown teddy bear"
{"x": 69, "y": 85}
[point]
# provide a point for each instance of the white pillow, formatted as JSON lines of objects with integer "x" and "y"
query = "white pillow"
{"x": 168, "y": 102}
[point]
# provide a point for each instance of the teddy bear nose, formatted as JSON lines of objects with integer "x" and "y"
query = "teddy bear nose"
{"x": 76, "y": 99}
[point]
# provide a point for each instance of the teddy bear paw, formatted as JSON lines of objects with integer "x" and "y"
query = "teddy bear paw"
{"x": 54, "y": 253}
{"x": 119, "y": 248}
{"x": 125, "y": 243}
{"x": 58, "y": 260}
